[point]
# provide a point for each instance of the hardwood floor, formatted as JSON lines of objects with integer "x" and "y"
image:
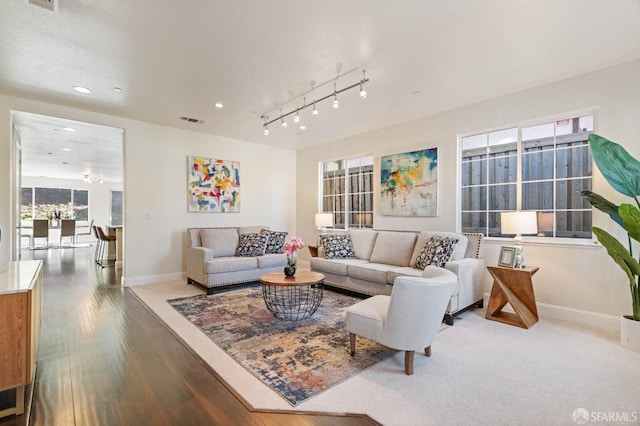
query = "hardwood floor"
{"x": 104, "y": 359}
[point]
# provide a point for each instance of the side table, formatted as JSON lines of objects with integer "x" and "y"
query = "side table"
{"x": 513, "y": 286}
{"x": 313, "y": 250}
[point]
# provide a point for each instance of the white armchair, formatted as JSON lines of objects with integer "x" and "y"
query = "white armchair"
{"x": 407, "y": 320}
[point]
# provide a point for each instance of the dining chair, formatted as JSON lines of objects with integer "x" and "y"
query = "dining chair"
{"x": 40, "y": 230}
{"x": 88, "y": 232}
{"x": 68, "y": 229}
{"x": 103, "y": 243}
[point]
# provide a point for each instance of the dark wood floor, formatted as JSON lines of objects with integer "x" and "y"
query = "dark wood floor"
{"x": 104, "y": 359}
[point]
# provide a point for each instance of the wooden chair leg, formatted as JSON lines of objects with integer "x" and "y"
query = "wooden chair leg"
{"x": 427, "y": 351}
{"x": 408, "y": 362}
{"x": 352, "y": 344}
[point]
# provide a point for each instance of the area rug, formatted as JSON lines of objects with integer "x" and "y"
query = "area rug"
{"x": 297, "y": 359}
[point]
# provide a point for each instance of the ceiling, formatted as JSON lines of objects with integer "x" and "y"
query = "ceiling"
{"x": 174, "y": 59}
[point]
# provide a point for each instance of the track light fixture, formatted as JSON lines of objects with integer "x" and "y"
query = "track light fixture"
{"x": 363, "y": 93}
{"x": 335, "y": 103}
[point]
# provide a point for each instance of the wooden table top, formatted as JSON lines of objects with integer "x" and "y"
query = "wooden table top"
{"x": 300, "y": 278}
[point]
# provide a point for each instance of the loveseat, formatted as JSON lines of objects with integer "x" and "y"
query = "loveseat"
{"x": 223, "y": 257}
{"x": 366, "y": 262}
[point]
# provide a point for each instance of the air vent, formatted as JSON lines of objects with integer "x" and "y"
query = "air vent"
{"x": 51, "y": 5}
{"x": 191, "y": 120}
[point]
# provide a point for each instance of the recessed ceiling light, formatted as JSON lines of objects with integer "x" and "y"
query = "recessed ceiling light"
{"x": 219, "y": 105}
{"x": 66, "y": 149}
{"x": 117, "y": 89}
{"x": 81, "y": 89}
{"x": 303, "y": 127}
{"x": 417, "y": 92}
{"x": 68, "y": 129}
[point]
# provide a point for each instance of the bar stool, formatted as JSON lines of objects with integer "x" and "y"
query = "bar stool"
{"x": 103, "y": 242}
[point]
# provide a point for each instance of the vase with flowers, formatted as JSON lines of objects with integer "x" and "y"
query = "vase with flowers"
{"x": 290, "y": 250}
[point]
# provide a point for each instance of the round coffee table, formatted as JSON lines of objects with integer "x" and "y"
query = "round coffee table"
{"x": 292, "y": 298}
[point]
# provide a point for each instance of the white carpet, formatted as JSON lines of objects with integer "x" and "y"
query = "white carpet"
{"x": 480, "y": 372}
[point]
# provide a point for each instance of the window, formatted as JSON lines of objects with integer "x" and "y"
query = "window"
{"x": 347, "y": 192}
{"x": 40, "y": 203}
{"x": 116, "y": 208}
{"x": 541, "y": 167}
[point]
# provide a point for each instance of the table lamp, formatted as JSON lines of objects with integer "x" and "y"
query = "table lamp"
{"x": 323, "y": 220}
{"x": 518, "y": 223}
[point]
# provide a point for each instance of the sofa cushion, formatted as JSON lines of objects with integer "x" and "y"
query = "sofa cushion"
{"x": 271, "y": 260}
{"x": 375, "y": 272}
{"x": 222, "y": 241}
{"x": 437, "y": 251}
{"x": 333, "y": 266}
{"x": 337, "y": 246}
{"x": 251, "y": 245}
{"x": 275, "y": 242}
{"x": 393, "y": 248}
{"x": 459, "y": 252}
{"x": 400, "y": 271}
{"x": 222, "y": 265}
{"x": 363, "y": 242}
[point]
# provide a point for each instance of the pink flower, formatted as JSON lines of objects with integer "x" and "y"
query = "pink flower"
{"x": 291, "y": 247}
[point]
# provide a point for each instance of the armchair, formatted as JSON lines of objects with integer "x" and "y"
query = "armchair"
{"x": 407, "y": 320}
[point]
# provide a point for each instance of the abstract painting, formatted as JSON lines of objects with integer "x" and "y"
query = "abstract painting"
{"x": 214, "y": 185}
{"x": 409, "y": 183}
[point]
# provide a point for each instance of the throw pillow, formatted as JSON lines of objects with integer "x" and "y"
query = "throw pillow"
{"x": 437, "y": 251}
{"x": 337, "y": 246}
{"x": 275, "y": 241}
{"x": 251, "y": 245}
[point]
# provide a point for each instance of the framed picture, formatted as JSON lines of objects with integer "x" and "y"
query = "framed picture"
{"x": 409, "y": 183}
{"x": 507, "y": 256}
{"x": 214, "y": 185}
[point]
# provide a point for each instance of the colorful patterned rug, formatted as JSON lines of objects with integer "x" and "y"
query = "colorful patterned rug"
{"x": 297, "y": 359}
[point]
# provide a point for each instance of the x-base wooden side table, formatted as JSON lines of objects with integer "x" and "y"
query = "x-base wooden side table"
{"x": 513, "y": 286}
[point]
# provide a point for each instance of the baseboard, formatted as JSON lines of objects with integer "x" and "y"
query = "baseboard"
{"x": 151, "y": 279}
{"x": 605, "y": 323}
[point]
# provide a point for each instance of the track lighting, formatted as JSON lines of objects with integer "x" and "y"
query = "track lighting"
{"x": 363, "y": 93}
{"x": 284, "y": 123}
{"x": 335, "y": 103}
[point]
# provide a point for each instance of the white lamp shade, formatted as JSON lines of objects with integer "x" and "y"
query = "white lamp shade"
{"x": 324, "y": 220}
{"x": 519, "y": 223}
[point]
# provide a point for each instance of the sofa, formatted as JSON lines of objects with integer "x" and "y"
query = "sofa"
{"x": 223, "y": 257}
{"x": 366, "y": 262}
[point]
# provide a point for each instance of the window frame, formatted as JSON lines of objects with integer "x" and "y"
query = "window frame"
{"x": 344, "y": 172}
{"x": 541, "y": 240}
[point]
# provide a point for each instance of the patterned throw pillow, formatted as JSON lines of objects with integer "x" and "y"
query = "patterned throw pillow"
{"x": 251, "y": 245}
{"x": 437, "y": 251}
{"x": 337, "y": 246}
{"x": 275, "y": 242}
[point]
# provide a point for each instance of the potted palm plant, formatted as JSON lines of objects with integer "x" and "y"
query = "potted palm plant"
{"x": 622, "y": 172}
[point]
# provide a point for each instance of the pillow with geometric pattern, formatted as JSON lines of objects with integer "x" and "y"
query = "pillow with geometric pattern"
{"x": 275, "y": 243}
{"x": 337, "y": 246}
{"x": 437, "y": 251}
{"x": 251, "y": 245}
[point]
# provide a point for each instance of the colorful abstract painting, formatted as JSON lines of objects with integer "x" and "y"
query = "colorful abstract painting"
{"x": 214, "y": 185}
{"x": 409, "y": 183}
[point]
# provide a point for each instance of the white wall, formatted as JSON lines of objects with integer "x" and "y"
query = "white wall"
{"x": 155, "y": 182}
{"x": 582, "y": 278}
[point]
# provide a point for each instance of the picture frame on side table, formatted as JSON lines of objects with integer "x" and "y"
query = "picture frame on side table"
{"x": 507, "y": 256}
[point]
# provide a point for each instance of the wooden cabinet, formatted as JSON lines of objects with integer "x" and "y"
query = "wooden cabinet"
{"x": 20, "y": 314}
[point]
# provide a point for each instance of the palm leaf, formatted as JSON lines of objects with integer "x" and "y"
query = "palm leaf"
{"x": 602, "y": 204}
{"x": 618, "y": 167}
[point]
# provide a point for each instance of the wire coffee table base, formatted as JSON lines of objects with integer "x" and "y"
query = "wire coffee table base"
{"x": 292, "y": 299}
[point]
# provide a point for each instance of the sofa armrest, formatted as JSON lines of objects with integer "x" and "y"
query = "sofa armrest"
{"x": 197, "y": 257}
{"x": 470, "y": 272}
